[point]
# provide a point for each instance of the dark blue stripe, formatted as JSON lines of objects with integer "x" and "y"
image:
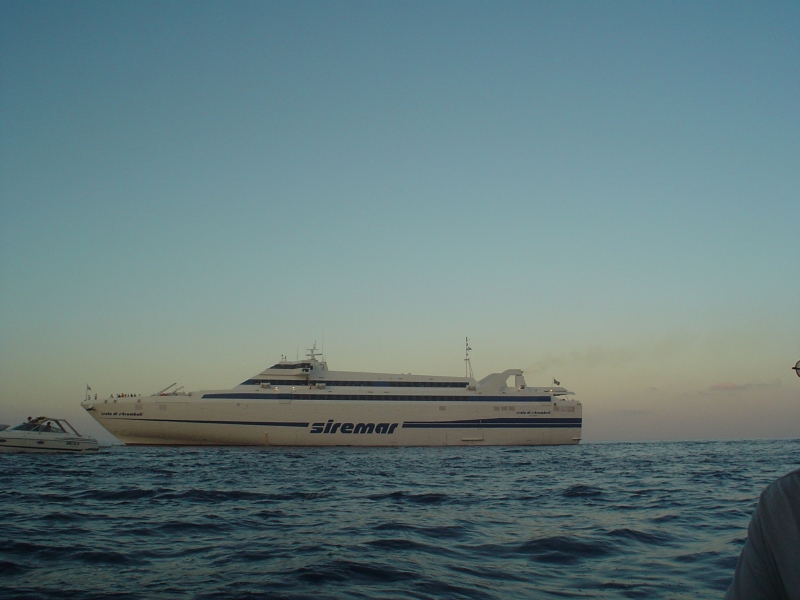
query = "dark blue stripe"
{"x": 375, "y": 397}
{"x": 260, "y": 423}
{"x": 249, "y": 396}
{"x": 504, "y": 420}
{"x": 45, "y": 448}
{"x": 398, "y": 384}
{"x": 275, "y": 382}
{"x": 543, "y": 423}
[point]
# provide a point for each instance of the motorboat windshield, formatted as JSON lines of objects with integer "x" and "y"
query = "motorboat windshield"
{"x": 45, "y": 425}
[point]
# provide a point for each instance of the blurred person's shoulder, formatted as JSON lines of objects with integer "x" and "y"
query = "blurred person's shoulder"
{"x": 781, "y": 498}
{"x": 769, "y": 566}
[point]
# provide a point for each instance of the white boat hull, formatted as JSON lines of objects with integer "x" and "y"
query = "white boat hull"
{"x": 45, "y": 443}
{"x": 182, "y": 420}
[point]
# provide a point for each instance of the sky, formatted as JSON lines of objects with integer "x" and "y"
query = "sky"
{"x": 605, "y": 193}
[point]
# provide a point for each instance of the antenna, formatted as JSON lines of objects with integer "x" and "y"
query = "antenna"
{"x": 312, "y": 352}
{"x": 467, "y": 363}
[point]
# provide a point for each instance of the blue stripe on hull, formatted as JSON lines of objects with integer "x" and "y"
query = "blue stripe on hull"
{"x": 374, "y": 397}
{"x": 543, "y": 424}
{"x": 501, "y": 421}
{"x": 202, "y": 422}
{"x": 46, "y": 449}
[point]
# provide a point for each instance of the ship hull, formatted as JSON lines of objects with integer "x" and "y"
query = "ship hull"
{"x": 375, "y": 422}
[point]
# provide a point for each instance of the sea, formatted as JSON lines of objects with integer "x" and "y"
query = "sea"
{"x": 598, "y": 520}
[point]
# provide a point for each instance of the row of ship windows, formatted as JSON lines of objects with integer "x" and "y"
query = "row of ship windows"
{"x": 370, "y": 398}
{"x": 291, "y": 366}
{"x": 410, "y": 398}
{"x": 429, "y": 384}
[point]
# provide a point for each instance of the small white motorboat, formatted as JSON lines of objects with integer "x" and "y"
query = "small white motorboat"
{"x": 45, "y": 434}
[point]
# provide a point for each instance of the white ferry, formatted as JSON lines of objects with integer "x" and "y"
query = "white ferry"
{"x": 302, "y": 403}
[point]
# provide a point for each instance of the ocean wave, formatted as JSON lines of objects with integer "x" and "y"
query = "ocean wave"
{"x": 430, "y": 498}
{"x": 564, "y": 550}
{"x": 400, "y": 544}
{"x": 102, "y": 557}
{"x": 582, "y": 491}
{"x": 493, "y": 573}
{"x": 442, "y": 589}
{"x": 66, "y": 517}
{"x": 552, "y": 549}
{"x": 9, "y": 568}
{"x": 61, "y": 591}
{"x": 191, "y": 526}
{"x": 352, "y": 572}
{"x": 170, "y": 551}
{"x": 125, "y": 495}
{"x": 641, "y": 536}
{"x": 41, "y": 551}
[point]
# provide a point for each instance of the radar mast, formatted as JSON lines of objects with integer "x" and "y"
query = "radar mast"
{"x": 467, "y": 363}
{"x": 312, "y": 353}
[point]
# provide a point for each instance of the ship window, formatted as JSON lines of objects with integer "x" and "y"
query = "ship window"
{"x": 400, "y": 384}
